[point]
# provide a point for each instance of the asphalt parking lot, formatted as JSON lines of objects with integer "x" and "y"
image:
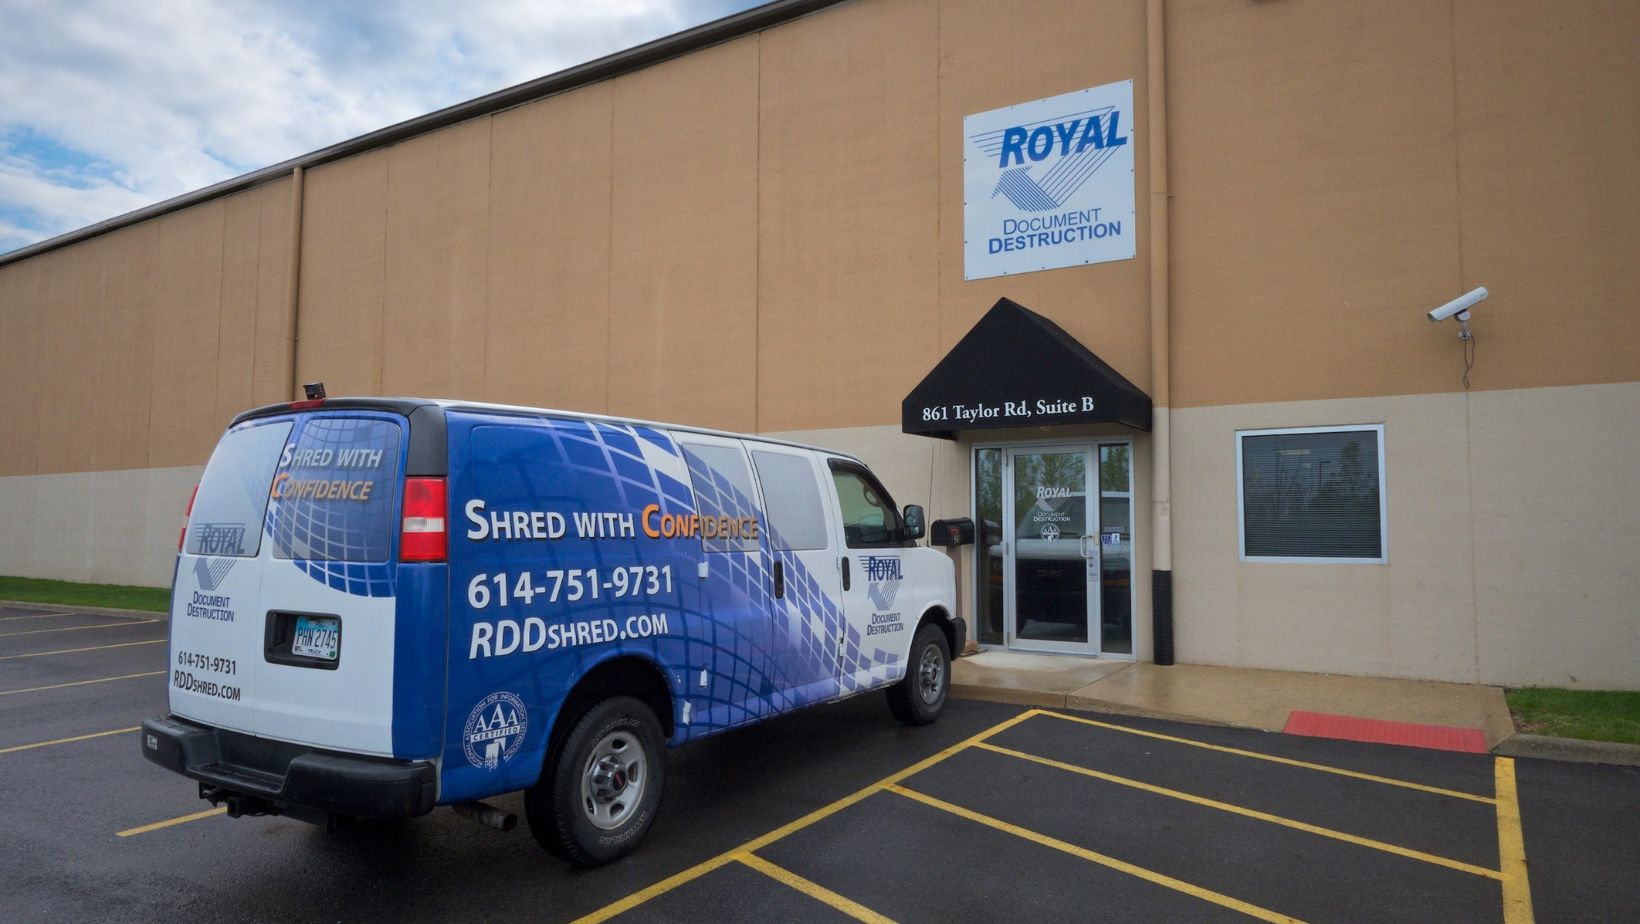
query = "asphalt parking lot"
{"x": 994, "y": 813}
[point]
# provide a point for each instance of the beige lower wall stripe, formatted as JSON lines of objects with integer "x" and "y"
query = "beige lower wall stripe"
{"x": 1512, "y": 532}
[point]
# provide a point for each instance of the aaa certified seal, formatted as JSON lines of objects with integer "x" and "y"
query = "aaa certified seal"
{"x": 495, "y": 730}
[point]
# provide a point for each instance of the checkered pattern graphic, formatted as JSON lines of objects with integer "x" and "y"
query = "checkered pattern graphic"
{"x": 806, "y": 617}
{"x": 753, "y": 666}
{"x": 343, "y": 544}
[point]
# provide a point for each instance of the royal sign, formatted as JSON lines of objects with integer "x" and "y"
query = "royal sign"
{"x": 1049, "y": 184}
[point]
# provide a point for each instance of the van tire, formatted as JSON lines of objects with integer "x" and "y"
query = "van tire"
{"x": 919, "y": 698}
{"x": 575, "y": 810}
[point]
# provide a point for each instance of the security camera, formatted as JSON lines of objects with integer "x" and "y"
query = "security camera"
{"x": 1459, "y": 306}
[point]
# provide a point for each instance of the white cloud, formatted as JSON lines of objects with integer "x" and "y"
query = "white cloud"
{"x": 108, "y": 105}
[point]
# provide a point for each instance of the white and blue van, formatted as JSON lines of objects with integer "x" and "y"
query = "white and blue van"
{"x": 385, "y": 605}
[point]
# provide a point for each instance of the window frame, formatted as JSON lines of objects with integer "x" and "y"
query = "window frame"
{"x": 753, "y": 450}
{"x": 688, "y": 442}
{"x": 1383, "y": 499}
{"x": 896, "y": 532}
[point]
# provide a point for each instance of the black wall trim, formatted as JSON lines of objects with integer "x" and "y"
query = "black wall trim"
{"x": 1161, "y": 616}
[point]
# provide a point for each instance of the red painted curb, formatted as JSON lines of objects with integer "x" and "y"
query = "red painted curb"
{"x": 1381, "y": 731}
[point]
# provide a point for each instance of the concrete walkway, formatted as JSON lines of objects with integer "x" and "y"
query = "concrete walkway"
{"x": 1224, "y": 695}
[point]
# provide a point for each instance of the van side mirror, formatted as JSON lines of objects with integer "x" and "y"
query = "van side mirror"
{"x": 914, "y": 519}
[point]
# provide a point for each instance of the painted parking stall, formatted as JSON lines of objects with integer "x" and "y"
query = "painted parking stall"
{"x": 826, "y": 822}
{"x": 1063, "y": 834}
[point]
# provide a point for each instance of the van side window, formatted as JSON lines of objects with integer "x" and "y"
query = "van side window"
{"x": 333, "y": 494}
{"x": 723, "y": 488}
{"x": 233, "y": 493}
{"x": 869, "y": 518}
{"x": 797, "y": 520}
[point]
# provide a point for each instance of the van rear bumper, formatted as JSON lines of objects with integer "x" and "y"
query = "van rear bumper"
{"x": 261, "y": 776}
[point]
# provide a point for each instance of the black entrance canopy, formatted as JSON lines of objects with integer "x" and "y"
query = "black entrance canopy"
{"x": 1016, "y": 368}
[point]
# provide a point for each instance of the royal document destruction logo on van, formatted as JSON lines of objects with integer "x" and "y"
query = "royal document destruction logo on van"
{"x": 1049, "y": 183}
{"x": 883, "y": 575}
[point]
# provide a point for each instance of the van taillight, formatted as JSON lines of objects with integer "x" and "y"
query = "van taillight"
{"x": 425, "y": 537}
{"x": 183, "y": 537}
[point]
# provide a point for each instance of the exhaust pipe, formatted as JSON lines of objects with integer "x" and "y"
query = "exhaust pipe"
{"x": 487, "y": 815}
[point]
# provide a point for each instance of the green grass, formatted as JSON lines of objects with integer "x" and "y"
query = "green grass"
{"x": 1593, "y": 715}
{"x": 116, "y": 596}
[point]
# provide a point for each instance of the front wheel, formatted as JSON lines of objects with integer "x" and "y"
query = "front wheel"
{"x": 599, "y": 796}
{"x": 919, "y": 698}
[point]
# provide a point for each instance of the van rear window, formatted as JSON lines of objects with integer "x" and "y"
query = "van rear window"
{"x": 233, "y": 494}
{"x": 335, "y": 489}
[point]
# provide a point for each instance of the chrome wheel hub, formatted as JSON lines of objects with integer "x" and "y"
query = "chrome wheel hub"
{"x": 931, "y": 675}
{"x": 613, "y": 783}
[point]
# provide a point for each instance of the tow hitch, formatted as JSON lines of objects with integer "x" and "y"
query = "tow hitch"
{"x": 238, "y": 804}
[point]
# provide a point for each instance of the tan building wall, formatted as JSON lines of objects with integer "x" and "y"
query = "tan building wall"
{"x": 764, "y": 211}
{"x": 1336, "y": 170}
{"x": 133, "y": 349}
{"x": 1512, "y": 538}
{"x": 767, "y": 235}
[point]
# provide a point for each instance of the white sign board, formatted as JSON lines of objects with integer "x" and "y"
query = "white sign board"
{"x": 1049, "y": 183}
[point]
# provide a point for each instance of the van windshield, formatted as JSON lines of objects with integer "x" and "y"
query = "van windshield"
{"x": 233, "y": 494}
{"x": 335, "y": 488}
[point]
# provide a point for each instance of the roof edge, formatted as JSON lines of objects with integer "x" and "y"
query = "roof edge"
{"x": 613, "y": 65}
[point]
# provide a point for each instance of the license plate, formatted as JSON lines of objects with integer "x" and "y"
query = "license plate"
{"x": 317, "y": 637}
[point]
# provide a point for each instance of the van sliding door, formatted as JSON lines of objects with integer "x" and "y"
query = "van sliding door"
{"x": 799, "y": 554}
{"x": 734, "y": 684}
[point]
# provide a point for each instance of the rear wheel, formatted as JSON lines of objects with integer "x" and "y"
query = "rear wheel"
{"x": 599, "y": 796}
{"x": 920, "y": 697}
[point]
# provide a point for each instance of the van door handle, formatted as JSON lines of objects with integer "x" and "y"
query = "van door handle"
{"x": 779, "y": 579}
{"x": 845, "y": 572}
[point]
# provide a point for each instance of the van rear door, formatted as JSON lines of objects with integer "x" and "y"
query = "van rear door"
{"x": 283, "y": 616}
{"x": 216, "y": 639}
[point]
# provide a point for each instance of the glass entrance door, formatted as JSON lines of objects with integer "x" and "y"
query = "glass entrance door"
{"x": 1054, "y": 551}
{"x": 1052, "y": 560}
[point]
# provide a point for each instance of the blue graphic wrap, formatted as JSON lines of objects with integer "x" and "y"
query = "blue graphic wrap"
{"x": 727, "y": 651}
{"x": 334, "y": 509}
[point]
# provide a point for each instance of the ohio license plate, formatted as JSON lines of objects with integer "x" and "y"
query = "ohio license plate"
{"x": 317, "y": 637}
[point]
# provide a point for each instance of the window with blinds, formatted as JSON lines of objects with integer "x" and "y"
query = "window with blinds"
{"x": 1312, "y": 495}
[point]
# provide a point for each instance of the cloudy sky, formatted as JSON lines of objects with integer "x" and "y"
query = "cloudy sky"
{"x": 109, "y": 105}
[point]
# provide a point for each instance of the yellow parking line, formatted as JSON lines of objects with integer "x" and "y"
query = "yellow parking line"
{"x": 1178, "y": 885}
{"x": 46, "y": 744}
{"x": 700, "y": 869}
{"x": 657, "y": 889}
{"x": 144, "y": 829}
{"x": 81, "y": 683}
{"x": 813, "y": 889}
{"x": 106, "y": 625}
{"x": 1517, "y": 887}
{"x": 1250, "y": 813}
{"x": 1355, "y": 774}
{"x": 35, "y": 616}
{"x": 41, "y": 654}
